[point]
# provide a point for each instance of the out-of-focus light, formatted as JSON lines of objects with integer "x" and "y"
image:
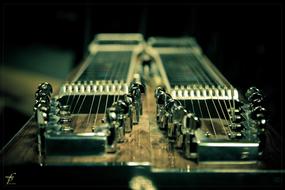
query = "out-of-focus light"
{"x": 141, "y": 182}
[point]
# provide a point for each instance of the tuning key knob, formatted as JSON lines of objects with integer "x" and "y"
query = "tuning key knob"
{"x": 42, "y": 114}
{"x": 169, "y": 104}
{"x": 254, "y": 96}
{"x": 45, "y": 87}
{"x": 178, "y": 113}
{"x": 158, "y": 91}
{"x": 42, "y": 94}
{"x": 111, "y": 115}
{"x": 190, "y": 123}
{"x": 258, "y": 113}
{"x": 250, "y": 91}
{"x": 128, "y": 99}
{"x": 137, "y": 85}
{"x": 121, "y": 107}
{"x": 163, "y": 98}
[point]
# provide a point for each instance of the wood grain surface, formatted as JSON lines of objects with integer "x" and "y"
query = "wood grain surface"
{"x": 145, "y": 145}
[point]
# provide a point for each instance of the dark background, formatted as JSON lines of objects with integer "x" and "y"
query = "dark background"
{"x": 242, "y": 40}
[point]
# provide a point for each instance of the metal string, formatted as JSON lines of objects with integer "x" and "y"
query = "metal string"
{"x": 203, "y": 82}
{"x": 100, "y": 97}
{"x": 215, "y": 83}
{"x": 206, "y": 77}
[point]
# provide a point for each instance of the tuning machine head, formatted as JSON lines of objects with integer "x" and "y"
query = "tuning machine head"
{"x": 163, "y": 98}
{"x": 42, "y": 102}
{"x": 40, "y": 94}
{"x": 44, "y": 90}
{"x": 254, "y": 96}
{"x": 135, "y": 85}
{"x": 42, "y": 113}
{"x": 43, "y": 94}
{"x": 250, "y": 91}
{"x": 45, "y": 106}
{"x": 128, "y": 99}
{"x": 259, "y": 115}
{"x": 111, "y": 115}
{"x": 121, "y": 107}
{"x": 158, "y": 91}
{"x": 190, "y": 123}
{"x": 45, "y": 86}
{"x": 178, "y": 112}
{"x": 171, "y": 104}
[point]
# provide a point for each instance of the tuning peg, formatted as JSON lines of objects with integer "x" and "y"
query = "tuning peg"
{"x": 42, "y": 114}
{"x": 42, "y": 94}
{"x": 111, "y": 118}
{"x": 258, "y": 113}
{"x": 121, "y": 107}
{"x": 45, "y": 87}
{"x": 129, "y": 118}
{"x": 111, "y": 139}
{"x": 42, "y": 98}
{"x": 111, "y": 115}
{"x": 250, "y": 91}
{"x": 171, "y": 104}
{"x": 136, "y": 94}
{"x": 41, "y": 103}
{"x": 43, "y": 108}
{"x": 131, "y": 109}
{"x": 158, "y": 91}
{"x": 178, "y": 112}
{"x": 257, "y": 102}
{"x": 139, "y": 85}
{"x": 128, "y": 99}
{"x": 190, "y": 123}
{"x": 163, "y": 98}
{"x": 122, "y": 110}
{"x": 254, "y": 96}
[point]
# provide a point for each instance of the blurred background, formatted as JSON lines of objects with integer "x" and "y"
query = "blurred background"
{"x": 45, "y": 42}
